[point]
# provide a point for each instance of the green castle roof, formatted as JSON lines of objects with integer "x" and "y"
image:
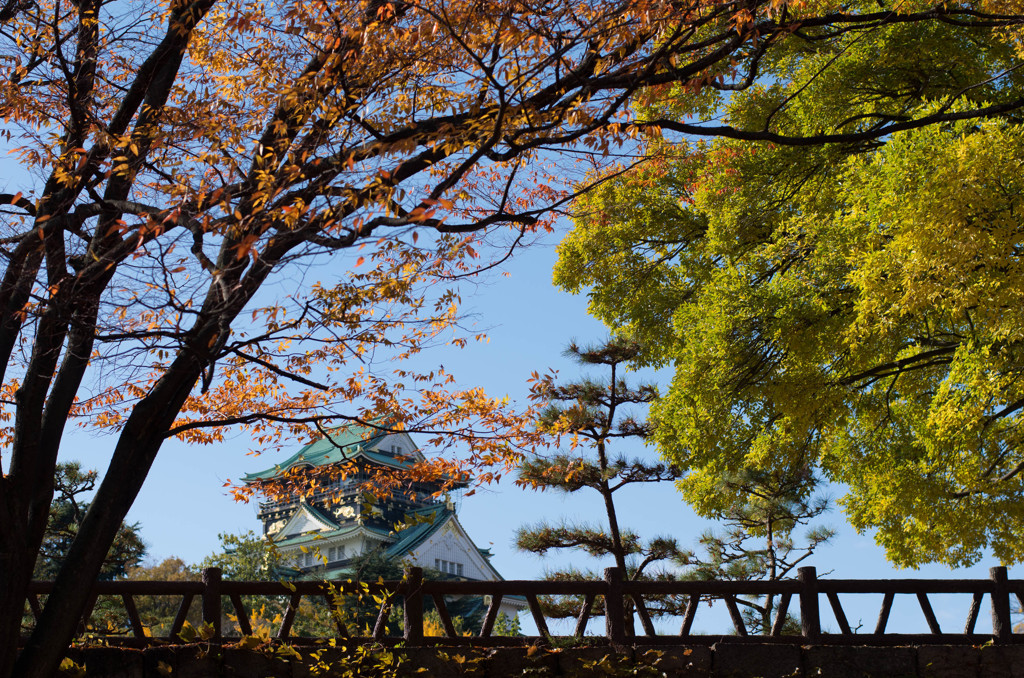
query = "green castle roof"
{"x": 416, "y": 534}
{"x": 432, "y": 518}
{"x": 408, "y": 539}
{"x": 341, "y": 444}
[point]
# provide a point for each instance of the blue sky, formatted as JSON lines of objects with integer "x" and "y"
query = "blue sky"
{"x": 183, "y": 506}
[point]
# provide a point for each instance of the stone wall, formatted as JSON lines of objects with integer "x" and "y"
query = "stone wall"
{"x": 723, "y": 660}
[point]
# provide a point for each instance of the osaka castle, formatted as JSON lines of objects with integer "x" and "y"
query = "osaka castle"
{"x": 321, "y": 533}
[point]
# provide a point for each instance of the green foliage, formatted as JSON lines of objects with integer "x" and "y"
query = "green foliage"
{"x": 67, "y": 510}
{"x": 507, "y": 626}
{"x": 371, "y": 566}
{"x": 359, "y": 611}
{"x": 374, "y": 565}
{"x": 157, "y": 613}
{"x": 244, "y": 557}
{"x": 249, "y": 557}
{"x": 760, "y": 519}
{"x": 853, "y": 308}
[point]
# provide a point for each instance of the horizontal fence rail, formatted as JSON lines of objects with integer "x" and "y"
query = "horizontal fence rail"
{"x": 621, "y": 602}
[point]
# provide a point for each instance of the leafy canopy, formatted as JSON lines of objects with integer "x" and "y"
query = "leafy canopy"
{"x": 853, "y": 307}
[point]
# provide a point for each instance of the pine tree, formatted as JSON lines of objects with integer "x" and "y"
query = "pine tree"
{"x": 70, "y": 484}
{"x": 593, "y": 415}
{"x": 757, "y": 542}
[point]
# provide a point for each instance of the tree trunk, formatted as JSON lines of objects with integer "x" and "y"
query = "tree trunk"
{"x": 16, "y": 562}
{"x": 133, "y": 456}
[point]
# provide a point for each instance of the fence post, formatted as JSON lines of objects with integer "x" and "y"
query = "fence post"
{"x": 810, "y": 620}
{"x": 413, "y": 617}
{"x": 614, "y": 607}
{"x": 1002, "y": 627}
{"x": 211, "y": 599}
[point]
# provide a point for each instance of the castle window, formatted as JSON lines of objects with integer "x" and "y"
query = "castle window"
{"x": 448, "y": 567}
{"x": 331, "y": 552}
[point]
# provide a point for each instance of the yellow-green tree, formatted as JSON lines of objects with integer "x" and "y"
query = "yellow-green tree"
{"x": 852, "y": 307}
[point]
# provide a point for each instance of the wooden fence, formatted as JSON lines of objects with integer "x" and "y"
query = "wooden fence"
{"x": 614, "y": 598}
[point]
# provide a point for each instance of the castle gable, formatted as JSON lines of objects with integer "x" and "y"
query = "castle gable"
{"x": 444, "y": 546}
{"x": 348, "y": 444}
{"x": 306, "y": 519}
{"x": 398, "y": 445}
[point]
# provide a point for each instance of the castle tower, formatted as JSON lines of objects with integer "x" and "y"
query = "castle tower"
{"x": 322, "y": 533}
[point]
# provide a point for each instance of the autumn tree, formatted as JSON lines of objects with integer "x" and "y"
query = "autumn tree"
{"x": 848, "y": 308}
{"x": 159, "y": 612}
{"x": 595, "y": 416}
{"x": 188, "y": 168}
